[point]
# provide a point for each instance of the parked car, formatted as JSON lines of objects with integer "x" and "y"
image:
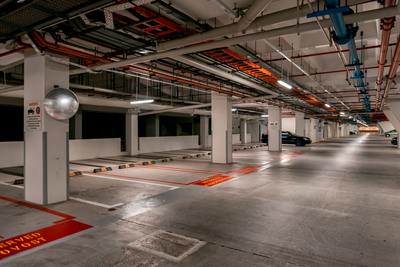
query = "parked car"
{"x": 391, "y": 133}
{"x": 289, "y": 138}
{"x": 395, "y": 141}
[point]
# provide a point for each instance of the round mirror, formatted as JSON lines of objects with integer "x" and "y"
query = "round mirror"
{"x": 61, "y": 103}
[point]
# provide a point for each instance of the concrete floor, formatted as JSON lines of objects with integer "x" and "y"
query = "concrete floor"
{"x": 335, "y": 203}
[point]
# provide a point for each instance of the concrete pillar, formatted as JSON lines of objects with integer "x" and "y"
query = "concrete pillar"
{"x": 243, "y": 131}
{"x": 221, "y": 112}
{"x": 204, "y": 129}
{"x": 78, "y": 125}
{"x": 254, "y": 129}
{"x": 46, "y": 139}
{"x": 132, "y": 132}
{"x": 300, "y": 124}
{"x": 157, "y": 126}
{"x": 314, "y": 130}
{"x": 274, "y": 129}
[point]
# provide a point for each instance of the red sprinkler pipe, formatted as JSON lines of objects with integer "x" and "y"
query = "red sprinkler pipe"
{"x": 386, "y": 24}
{"x": 392, "y": 73}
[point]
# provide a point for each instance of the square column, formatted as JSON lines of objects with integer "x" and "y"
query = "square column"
{"x": 46, "y": 139}
{"x": 300, "y": 124}
{"x": 204, "y": 130}
{"x": 132, "y": 132}
{"x": 314, "y": 130}
{"x": 243, "y": 131}
{"x": 78, "y": 125}
{"x": 254, "y": 128}
{"x": 221, "y": 112}
{"x": 274, "y": 129}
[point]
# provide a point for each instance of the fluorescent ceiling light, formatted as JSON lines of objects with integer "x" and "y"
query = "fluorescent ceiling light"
{"x": 327, "y": 105}
{"x": 144, "y": 101}
{"x": 342, "y": 113}
{"x": 285, "y": 84}
{"x": 350, "y": 117}
{"x": 234, "y": 109}
{"x": 264, "y": 116}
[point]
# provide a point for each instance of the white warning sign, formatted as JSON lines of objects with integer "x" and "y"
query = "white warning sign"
{"x": 33, "y": 117}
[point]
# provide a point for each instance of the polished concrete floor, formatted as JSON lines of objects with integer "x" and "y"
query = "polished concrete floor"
{"x": 335, "y": 203}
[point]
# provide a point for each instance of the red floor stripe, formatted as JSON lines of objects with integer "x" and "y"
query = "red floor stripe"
{"x": 24, "y": 242}
{"x": 188, "y": 170}
{"x": 213, "y": 180}
{"x": 39, "y": 207}
{"x": 145, "y": 179}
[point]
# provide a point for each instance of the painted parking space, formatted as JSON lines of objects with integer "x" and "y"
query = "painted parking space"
{"x": 110, "y": 191}
{"x": 42, "y": 227}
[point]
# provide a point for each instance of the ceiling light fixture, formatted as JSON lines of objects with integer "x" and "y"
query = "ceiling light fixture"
{"x": 264, "y": 116}
{"x": 327, "y": 105}
{"x": 285, "y": 84}
{"x": 234, "y": 109}
{"x": 145, "y": 101}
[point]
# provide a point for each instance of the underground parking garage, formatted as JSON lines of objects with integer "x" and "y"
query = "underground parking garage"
{"x": 199, "y": 133}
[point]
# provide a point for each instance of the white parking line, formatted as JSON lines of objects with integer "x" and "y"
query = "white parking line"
{"x": 130, "y": 181}
{"x": 96, "y": 203}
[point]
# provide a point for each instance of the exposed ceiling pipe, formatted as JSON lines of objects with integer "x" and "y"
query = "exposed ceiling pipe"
{"x": 392, "y": 73}
{"x": 328, "y": 52}
{"x": 386, "y": 25}
{"x": 251, "y": 14}
{"x": 197, "y": 64}
{"x": 230, "y": 29}
{"x": 344, "y": 33}
{"x": 43, "y": 44}
{"x": 310, "y": 26}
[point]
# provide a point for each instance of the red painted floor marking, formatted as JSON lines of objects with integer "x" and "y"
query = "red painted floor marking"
{"x": 21, "y": 243}
{"x": 187, "y": 170}
{"x": 60, "y": 229}
{"x": 65, "y": 217}
{"x": 245, "y": 170}
{"x": 144, "y": 179}
{"x": 213, "y": 180}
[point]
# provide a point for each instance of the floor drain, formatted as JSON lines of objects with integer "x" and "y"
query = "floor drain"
{"x": 167, "y": 245}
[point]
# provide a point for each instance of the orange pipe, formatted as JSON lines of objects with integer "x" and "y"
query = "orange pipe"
{"x": 386, "y": 24}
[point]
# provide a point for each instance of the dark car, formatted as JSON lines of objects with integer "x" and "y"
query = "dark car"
{"x": 289, "y": 138}
{"x": 394, "y": 141}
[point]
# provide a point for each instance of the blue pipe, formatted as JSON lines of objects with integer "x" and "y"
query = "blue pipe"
{"x": 344, "y": 34}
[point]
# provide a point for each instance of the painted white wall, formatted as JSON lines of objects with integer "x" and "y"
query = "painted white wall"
{"x": 94, "y": 148}
{"x": 289, "y": 124}
{"x": 165, "y": 143}
{"x": 11, "y": 154}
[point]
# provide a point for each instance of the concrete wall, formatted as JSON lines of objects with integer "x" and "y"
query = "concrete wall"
{"x": 94, "y": 148}
{"x": 289, "y": 124}
{"x": 164, "y": 143}
{"x": 12, "y": 153}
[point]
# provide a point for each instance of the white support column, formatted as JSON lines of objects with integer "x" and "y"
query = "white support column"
{"x": 132, "y": 132}
{"x": 314, "y": 130}
{"x": 300, "y": 124}
{"x": 204, "y": 129}
{"x": 46, "y": 139}
{"x": 243, "y": 131}
{"x": 221, "y": 112}
{"x": 78, "y": 125}
{"x": 274, "y": 129}
{"x": 157, "y": 126}
{"x": 254, "y": 128}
